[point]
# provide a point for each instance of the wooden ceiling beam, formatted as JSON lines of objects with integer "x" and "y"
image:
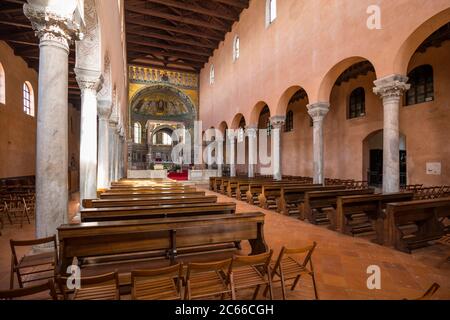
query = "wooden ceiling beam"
{"x": 15, "y": 24}
{"x": 147, "y": 43}
{"x": 167, "y": 54}
{"x": 161, "y": 26}
{"x": 196, "y": 8}
{"x": 15, "y": 1}
{"x": 171, "y": 17}
{"x": 158, "y": 36}
{"x": 165, "y": 61}
{"x": 156, "y": 66}
{"x": 234, "y": 3}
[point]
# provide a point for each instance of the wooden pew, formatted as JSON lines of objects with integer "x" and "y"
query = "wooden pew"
{"x": 143, "y": 188}
{"x": 231, "y": 187}
{"x": 152, "y": 212}
{"x": 166, "y": 237}
{"x": 155, "y": 200}
{"x": 293, "y": 197}
{"x": 271, "y": 192}
{"x": 366, "y": 213}
{"x": 255, "y": 188}
{"x": 426, "y": 216}
{"x": 243, "y": 185}
{"x": 146, "y": 194}
{"x": 316, "y": 201}
{"x": 212, "y": 181}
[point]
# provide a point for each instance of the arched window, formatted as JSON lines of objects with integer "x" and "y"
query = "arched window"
{"x": 28, "y": 99}
{"x": 289, "y": 124}
{"x": 2, "y": 85}
{"x": 137, "y": 132}
{"x": 271, "y": 11}
{"x": 211, "y": 75}
{"x": 357, "y": 103}
{"x": 422, "y": 88}
{"x": 236, "y": 48}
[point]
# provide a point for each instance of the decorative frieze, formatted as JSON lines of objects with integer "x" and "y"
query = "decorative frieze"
{"x": 139, "y": 74}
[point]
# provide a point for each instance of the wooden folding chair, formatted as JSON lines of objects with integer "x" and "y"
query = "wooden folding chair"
{"x": 30, "y": 291}
{"x": 157, "y": 284}
{"x": 287, "y": 267}
{"x": 430, "y": 292}
{"x": 33, "y": 267}
{"x": 209, "y": 279}
{"x": 15, "y": 208}
{"x": 29, "y": 206}
{"x": 101, "y": 287}
{"x": 253, "y": 272}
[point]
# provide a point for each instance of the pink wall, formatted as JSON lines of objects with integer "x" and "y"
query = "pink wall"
{"x": 17, "y": 129}
{"x": 309, "y": 45}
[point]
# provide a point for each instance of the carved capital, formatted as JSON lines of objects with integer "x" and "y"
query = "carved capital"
{"x": 88, "y": 79}
{"x": 318, "y": 110}
{"x": 53, "y": 25}
{"x": 104, "y": 108}
{"x": 277, "y": 121}
{"x": 231, "y": 135}
{"x": 251, "y": 130}
{"x": 392, "y": 86}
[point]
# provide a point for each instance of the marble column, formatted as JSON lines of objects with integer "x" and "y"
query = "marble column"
{"x": 231, "y": 152}
{"x": 56, "y": 30}
{"x": 89, "y": 82}
{"x": 252, "y": 131}
{"x": 219, "y": 156}
{"x": 391, "y": 89}
{"x": 117, "y": 154}
{"x": 104, "y": 112}
{"x": 277, "y": 124}
{"x": 318, "y": 111}
{"x": 121, "y": 156}
{"x": 112, "y": 124}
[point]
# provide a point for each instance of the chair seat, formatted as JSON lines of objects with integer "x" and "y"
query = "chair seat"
{"x": 445, "y": 240}
{"x": 106, "y": 292}
{"x": 37, "y": 260}
{"x": 207, "y": 283}
{"x": 247, "y": 276}
{"x": 291, "y": 268}
{"x": 156, "y": 289}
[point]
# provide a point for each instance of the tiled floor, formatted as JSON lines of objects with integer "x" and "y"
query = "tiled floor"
{"x": 340, "y": 261}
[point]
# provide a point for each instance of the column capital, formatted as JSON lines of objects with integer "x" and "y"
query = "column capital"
{"x": 277, "y": 121}
{"x": 391, "y": 86}
{"x": 88, "y": 79}
{"x": 104, "y": 108}
{"x": 251, "y": 130}
{"x": 318, "y": 110}
{"x": 54, "y": 23}
{"x": 231, "y": 135}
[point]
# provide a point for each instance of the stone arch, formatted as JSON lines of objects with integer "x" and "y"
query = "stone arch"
{"x": 236, "y": 120}
{"x": 223, "y": 126}
{"x": 328, "y": 81}
{"x": 255, "y": 112}
{"x": 419, "y": 35}
{"x": 283, "y": 102}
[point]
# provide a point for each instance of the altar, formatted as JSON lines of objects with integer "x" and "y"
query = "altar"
{"x": 147, "y": 174}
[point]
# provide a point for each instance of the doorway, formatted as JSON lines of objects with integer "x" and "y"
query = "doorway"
{"x": 373, "y": 159}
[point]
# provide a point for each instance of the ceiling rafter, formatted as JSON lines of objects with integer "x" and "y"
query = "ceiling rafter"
{"x": 183, "y": 31}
